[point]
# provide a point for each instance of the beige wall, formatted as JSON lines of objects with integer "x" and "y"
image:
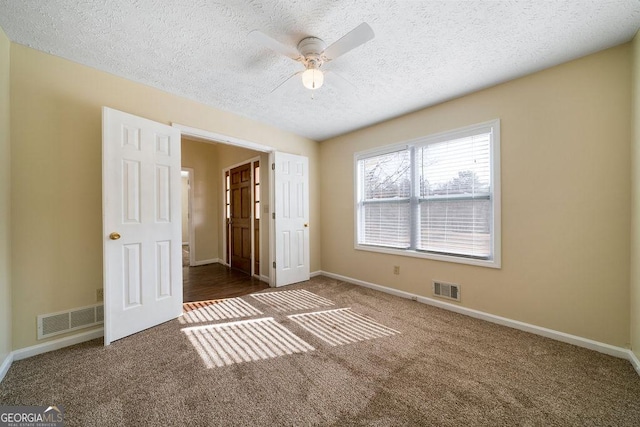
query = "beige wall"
{"x": 565, "y": 199}
{"x": 635, "y": 200}
{"x": 202, "y": 158}
{"x": 5, "y": 200}
{"x": 56, "y": 201}
{"x": 565, "y": 190}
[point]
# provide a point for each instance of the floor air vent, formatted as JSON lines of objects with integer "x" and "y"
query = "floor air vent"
{"x": 446, "y": 290}
{"x": 65, "y": 321}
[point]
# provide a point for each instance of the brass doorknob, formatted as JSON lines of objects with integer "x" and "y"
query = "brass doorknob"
{"x": 306, "y": 225}
{"x": 114, "y": 236}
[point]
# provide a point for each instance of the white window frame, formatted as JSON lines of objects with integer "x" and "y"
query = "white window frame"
{"x": 494, "y": 126}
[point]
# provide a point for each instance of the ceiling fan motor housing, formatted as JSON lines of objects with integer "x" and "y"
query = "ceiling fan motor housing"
{"x": 311, "y": 49}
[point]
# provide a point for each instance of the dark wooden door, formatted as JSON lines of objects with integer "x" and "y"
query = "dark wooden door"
{"x": 241, "y": 227}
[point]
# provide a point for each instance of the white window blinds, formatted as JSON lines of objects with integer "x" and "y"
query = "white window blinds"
{"x": 434, "y": 196}
{"x": 455, "y": 206}
{"x": 385, "y": 200}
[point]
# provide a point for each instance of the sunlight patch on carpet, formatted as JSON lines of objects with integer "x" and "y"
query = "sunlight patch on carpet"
{"x": 209, "y": 311}
{"x": 297, "y": 299}
{"x": 244, "y": 341}
{"x": 341, "y": 326}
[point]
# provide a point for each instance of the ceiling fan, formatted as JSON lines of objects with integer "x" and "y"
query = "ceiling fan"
{"x": 313, "y": 52}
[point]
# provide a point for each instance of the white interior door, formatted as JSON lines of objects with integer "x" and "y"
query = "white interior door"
{"x": 292, "y": 218}
{"x": 141, "y": 223}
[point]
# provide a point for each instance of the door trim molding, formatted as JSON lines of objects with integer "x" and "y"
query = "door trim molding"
{"x": 192, "y": 234}
{"x": 219, "y": 137}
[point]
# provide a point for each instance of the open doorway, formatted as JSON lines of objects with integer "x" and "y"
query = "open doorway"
{"x": 211, "y": 272}
{"x": 291, "y": 177}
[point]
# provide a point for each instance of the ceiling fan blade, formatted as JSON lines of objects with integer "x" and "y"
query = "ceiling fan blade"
{"x": 339, "y": 82}
{"x": 359, "y": 35}
{"x": 287, "y": 80}
{"x": 273, "y": 44}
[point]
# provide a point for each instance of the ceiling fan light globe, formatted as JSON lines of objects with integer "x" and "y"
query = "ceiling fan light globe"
{"x": 312, "y": 78}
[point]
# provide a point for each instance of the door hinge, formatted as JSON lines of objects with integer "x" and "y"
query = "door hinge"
{"x": 273, "y": 215}
{"x": 273, "y": 166}
{"x": 274, "y": 264}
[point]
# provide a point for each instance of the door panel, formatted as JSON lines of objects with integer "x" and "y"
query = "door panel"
{"x": 292, "y": 218}
{"x": 241, "y": 218}
{"x": 132, "y": 270}
{"x": 256, "y": 218}
{"x": 141, "y": 202}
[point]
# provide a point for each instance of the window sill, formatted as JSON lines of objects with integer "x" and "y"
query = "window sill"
{"x": 493, "y": 263}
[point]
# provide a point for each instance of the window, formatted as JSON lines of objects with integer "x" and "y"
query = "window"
{"x": 386, "y": 202}
{"x": 436, "y": 197}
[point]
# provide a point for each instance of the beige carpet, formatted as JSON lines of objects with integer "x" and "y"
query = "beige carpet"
{"x": 386, "y": 361}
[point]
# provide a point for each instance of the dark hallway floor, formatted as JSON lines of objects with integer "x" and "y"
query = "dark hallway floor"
{"x": 216, "y": 281}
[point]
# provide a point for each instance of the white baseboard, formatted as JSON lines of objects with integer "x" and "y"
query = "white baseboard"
{"x": 205, "y": 262}
{"x": 634, "y": 361}
{"x": 264, "y": 278}
{"x": 611, "y": 350}
{"x": 316, "y": 273}
{"x": 48, "y": 346}
{"x": 6, "y": 364}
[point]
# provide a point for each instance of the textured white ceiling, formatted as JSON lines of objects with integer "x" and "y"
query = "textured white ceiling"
{"x": 424, "y": 52}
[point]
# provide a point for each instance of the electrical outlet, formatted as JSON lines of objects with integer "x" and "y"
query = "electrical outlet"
{"x": 99, "y": 294}
{"x": 396, "y": 269}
